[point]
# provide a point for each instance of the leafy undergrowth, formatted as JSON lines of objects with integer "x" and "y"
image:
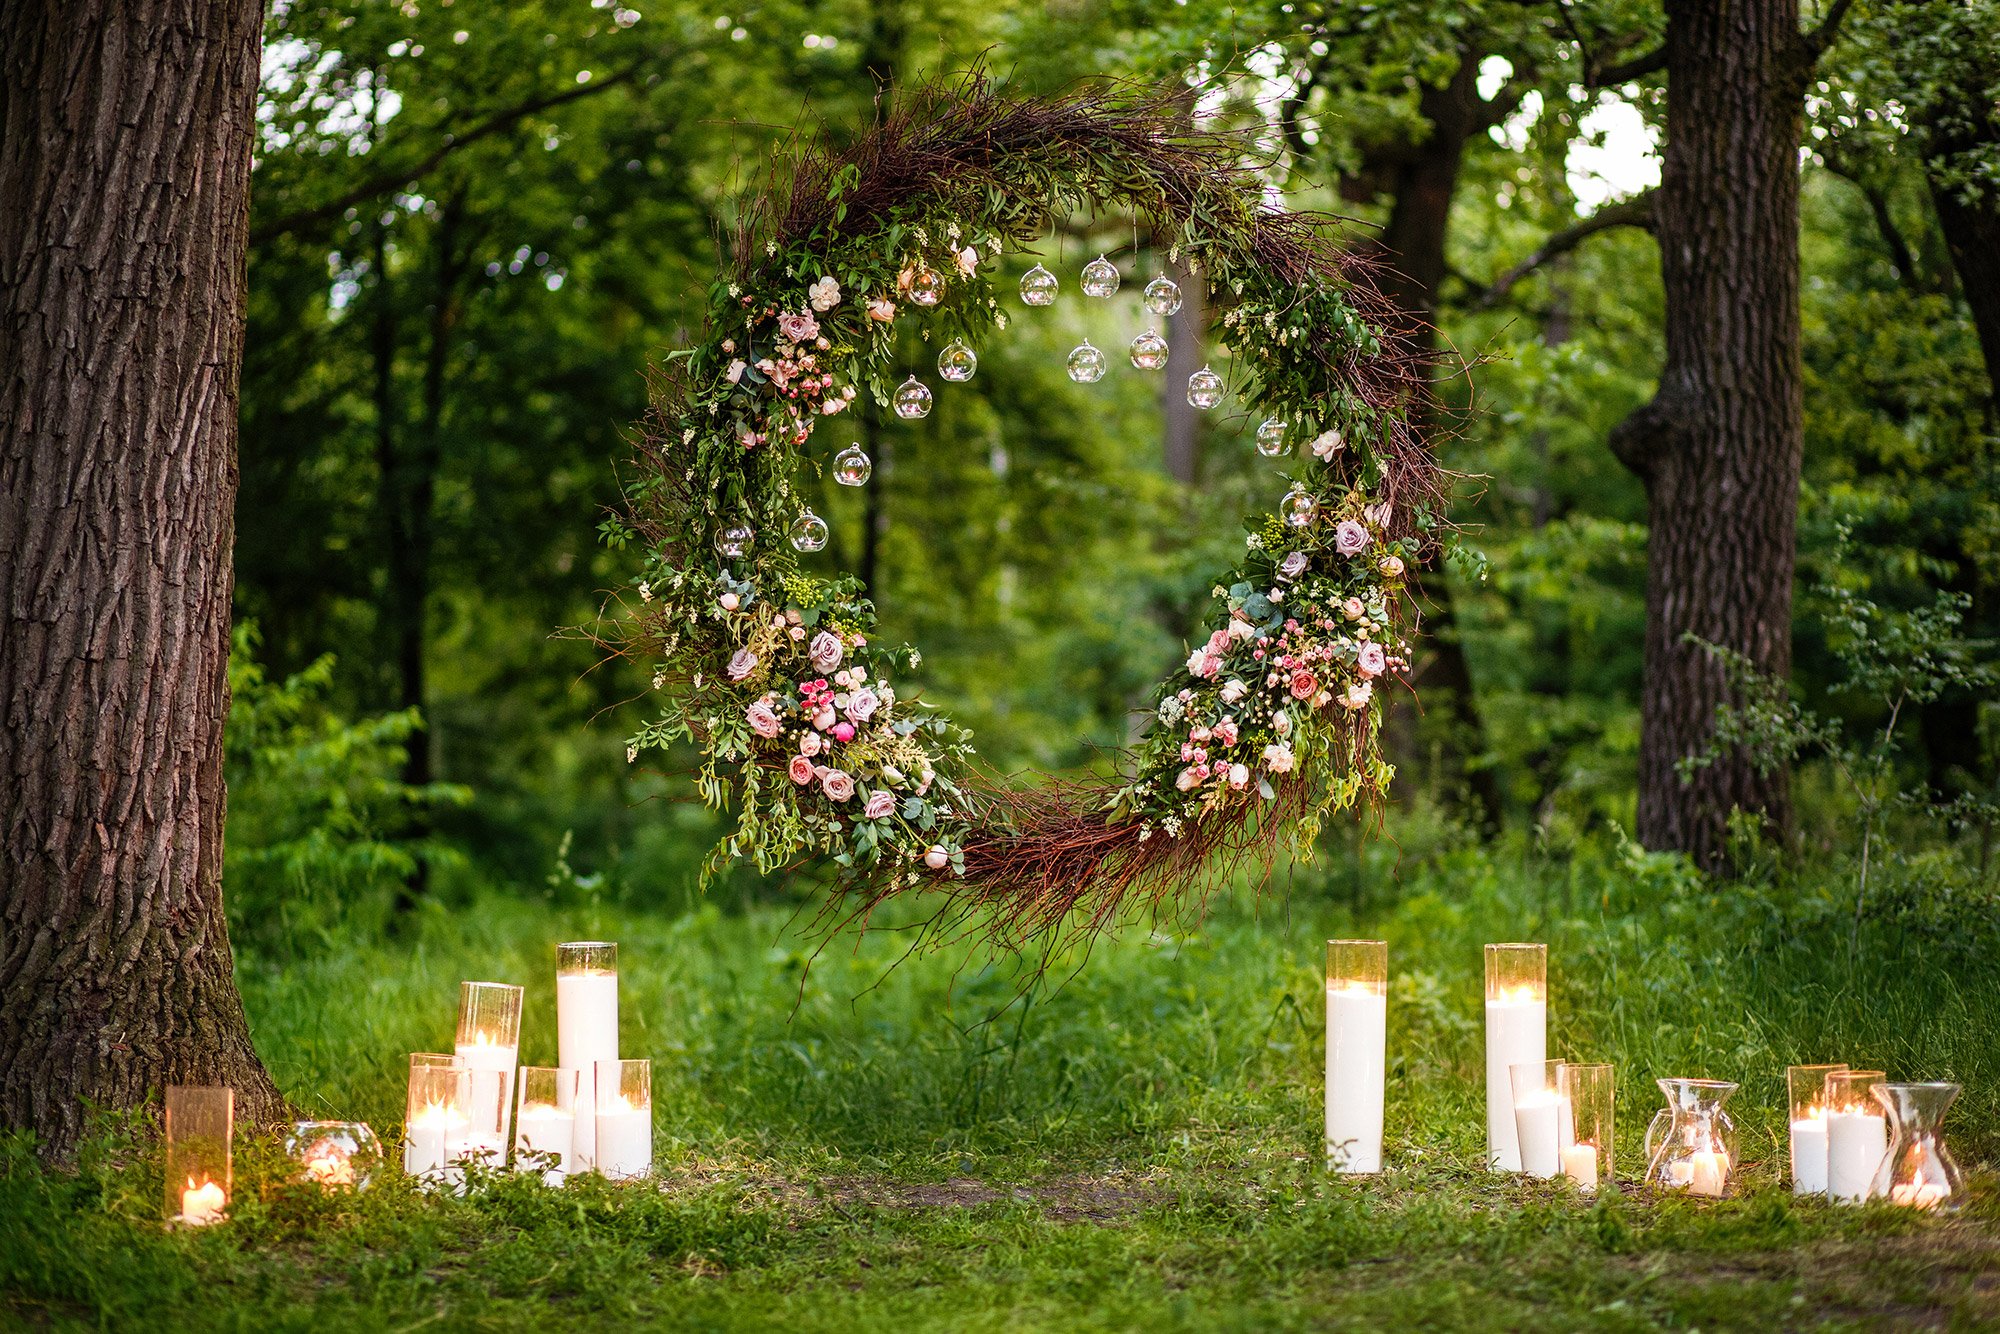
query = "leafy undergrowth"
{"x": 1127, "y": 1140}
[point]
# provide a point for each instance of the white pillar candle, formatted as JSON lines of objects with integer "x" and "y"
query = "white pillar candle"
{"x": 1356, "y": 1046}
{"x": 1516, "y": 1034}
{"x": 624, "y": 1137}
{"x": 486, "y": 1056}
{"x": 1537, "y": 1131}
{"x": 1809, "y": 1155}
{"x": 1579, "y": 1163}
{"x": 547, "y": 1128}
{"x": 586, "y": 1033}
{"x": 1708, "y": 1172}
{"x": 202, "y": 1203}
{"x": 1918, "y": 1194}
{"x": 435, "y": 1138}
{"x": 1856, "y": 1143}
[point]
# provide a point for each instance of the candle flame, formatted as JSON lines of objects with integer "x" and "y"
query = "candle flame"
{"x": 482, "y": 1039}
{"x": 1519, "y": 994}
{"x": 438, "y": 1115}
{"x": 329, "y": 1164}
{"x": 202, "y": 1202}
{"x": 542, "y": 1111}
{"x": 618, "y": 1102}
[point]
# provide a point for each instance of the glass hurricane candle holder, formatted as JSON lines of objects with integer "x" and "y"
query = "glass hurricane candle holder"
{"x": 1587, "y": 1098}
{"x": 436, "y": 1118}
{"x": 335, "y": 1155}
{"x": 1918, "y": 1172}
{"x": 1357, "y": 1010}
{"x": 545, "y": 1129}
{"x": 1697, "y": 1150}
{"x": 200, "y": 1123}
{"x": 586, "y": 1027}
{"x": 1857, "y": 1134}
{"x": 624, "y": 1119}
{"x": 1517, "y": 1014}
{"x": 1540, "y": 1117}
{"x": 1806, "y": 1087}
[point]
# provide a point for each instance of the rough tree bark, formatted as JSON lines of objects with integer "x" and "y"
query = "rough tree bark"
{"x": 125, "y": 167}
{"x": 1719, "y": 447}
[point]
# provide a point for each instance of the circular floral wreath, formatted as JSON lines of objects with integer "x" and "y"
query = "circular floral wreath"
{"x": 810, "y": 730}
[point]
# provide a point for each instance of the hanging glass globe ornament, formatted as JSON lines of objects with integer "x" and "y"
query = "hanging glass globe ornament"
{"x": 913, "y": 399}
{"x": 1086, "y": 363}
{"x": 808, "y": 532}
{"x": 1100, "y": 277}
{"x": 1163, "y": 296}
{"x": 957, "y": 362}
{"x": 733, "y": 541}
{"x": 927, "y": 288}
{"x": 1204, "y": 388}
{"x": 1271, "y": 440}
{"x": 1298, "y": 509}
{"x": 1038, "y": 286}
{"x": 851, "y": 466}
{"x": 1149, "y": 351}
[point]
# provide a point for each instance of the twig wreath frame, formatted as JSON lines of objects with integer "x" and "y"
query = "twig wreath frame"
{"x": 806, "y": 725}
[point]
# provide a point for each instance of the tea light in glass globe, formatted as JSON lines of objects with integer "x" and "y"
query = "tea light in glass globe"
{"x": 927, "y": 288}
{"x": 733, "y": 541}
{"x": 1100, "y": 277}
{"x": 1298, "y": 509}
{"x": 808, "y": 532}
{"x": 1086, "y": 364}
{"x": 1149, "y": 351}
{"x": 957, "y": 362}
{"x": 1038, "y": 286}
{"x": 913, "y": 399}
{"x": 1204, "y": 389}
{"x": 851, "y": 466}
{"x": 1163, "y": 296}
{"x": 1271, "y": 440}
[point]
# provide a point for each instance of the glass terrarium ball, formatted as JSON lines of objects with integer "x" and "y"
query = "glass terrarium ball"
{"x": 1100, "y": 277}
{"x": 1204, "y": 388}
{"x": 1038, "y": 286}
{"x": 1271, "y": 440}
{"x": 1298, "y": 509}
{"x": 913, "y": 399}
{"x": 927, "y": 288}
{"x": 1163, "y": 296}
{"x": 808, "y": 532}
{"x": 851, "y": 466}
{"x": 1086, "y": 364}
{"x": 957, "y": 362}
{"x": 335, "y": 1155}
{"x": 733, "y": 541}
{"x": 1149, "y": 351}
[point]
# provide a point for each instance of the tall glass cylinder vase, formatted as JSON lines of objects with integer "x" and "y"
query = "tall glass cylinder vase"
{"x": 586, "y": 1027}
{"x": 1806, "y": 1087}
{"x": 489, "y": 1035}
{"x": 200, "y": 1124}
{"x": 436, "y": 1118}
{"x": 1517, "y": 1019}
{"x": 1357, "y": 1010}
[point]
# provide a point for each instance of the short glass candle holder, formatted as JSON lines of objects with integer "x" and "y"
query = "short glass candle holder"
{"x": 1357, "y": 1010}
{"x": 1517, "y": 1012}
{"x": 1587, "y": 1104}
{"x": 624, "y": 1119}
{"x": 1805, "y": 1086}
{"x": 1918, "y": 1172}
{"x": 489, "y": 1017}
{"x": 437, "y": 1118}
{"x": 1857, "y": 1134}
{"x": 1695, "y": 1150}
{"x": 1539, "y": 1116}
{"x": 545, "y": 1126}
{"x": 335, "y": 1155}
{"x": 489, "y": 1098}
{"x": 200, "y": 1123}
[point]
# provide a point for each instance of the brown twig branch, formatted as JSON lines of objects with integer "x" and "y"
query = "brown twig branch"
{"x": 1634, "y": 212}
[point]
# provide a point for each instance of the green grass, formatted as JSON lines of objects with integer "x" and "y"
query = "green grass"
{"x": 1129, "y": 1141}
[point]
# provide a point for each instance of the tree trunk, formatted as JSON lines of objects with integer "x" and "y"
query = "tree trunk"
{"x": 1719, "y": 447}
{"x": 1971, "y": 226}
{"x": 126, "y": 169}
{"x": 1187, "y": 341}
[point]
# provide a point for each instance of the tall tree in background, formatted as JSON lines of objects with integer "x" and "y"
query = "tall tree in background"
{"x": 126, "y": 167}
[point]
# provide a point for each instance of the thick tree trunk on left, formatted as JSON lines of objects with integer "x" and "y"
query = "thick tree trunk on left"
{"x": 125, "y": 171}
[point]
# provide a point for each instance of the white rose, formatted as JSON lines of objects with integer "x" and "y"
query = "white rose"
{"x": 1241, "y": 630}
{"x": 824, "y": 294}
{"x": 1233, "y": 690}
{"x": 735, "y": 371}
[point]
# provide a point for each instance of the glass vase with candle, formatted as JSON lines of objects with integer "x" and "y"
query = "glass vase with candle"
{"x": 1806, "y": 1085}
{"x": 489, "y": 1034}
{"x": 1587, "y": 1096}
{"x": 545, "y": 1129}
{"x": 624, "y": 1119}
{"x": 335, "y": 1155}
{"x": 1357, "y": 1009}
{"x": 488, "y": 1101}
{"x": 1517, "y": 1023}
{"x": 200, "y": 1123}
{"x": 1540, "y": 1118}
{"x": 1857, "y": 1134}
{"x": 436, "y": 1118}
{"x": 1697, "y": 1151}
{"x": 586, "y": 1027}
{"x": 1918, "y": 1172}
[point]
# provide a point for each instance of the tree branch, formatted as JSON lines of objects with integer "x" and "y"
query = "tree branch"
{"x": 1638, "y": 67}
{"x": 1820, "y": 38}
{"x": 1634, "y": 212}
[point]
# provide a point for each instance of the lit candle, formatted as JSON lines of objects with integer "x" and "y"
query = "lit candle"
{"x": 1856, "y": 1142}
{"x": 330, "y": 1165}
{"x": 586, "y": 1027}
{"x": 1357, "y": 1010}
{"x": 1708, "y": 1171}
{"x": 489, "y": 1043}
{"x": 1517, "y": 1015}
{"x": 546, "y": 1128}
{"x": 436, "y": 1137}
{"x": 624, "y": 1137}
{"x": 1809, "y": 1156}
{"x": 1918, "y": 1194}
{"x": 202, "y": 1203}
{"x": 1538, "y": 1120}
{"x": 1580, "y": 1165}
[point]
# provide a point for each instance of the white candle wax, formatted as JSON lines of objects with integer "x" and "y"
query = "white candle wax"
{"x": 434, "y": 1137}
{"x": 486, "y": 1150}
{"x": 1918, "y": 1194}
{"x": 202, "y": 1204}
{"x": 1537, "y": 1123}
{"x": 624, "y": 1138}
{"x": 1356, "y": 1044}
{"x": 1516, "y": 1034}
{"x": 1855, "y": 1146}
{"x": 482, "y": 1055}
{"x": 586, "y": 1033}
{"x": 546, "y": 1128}
{"x": 1708, "y": 1172}
{"x": 1580, "y": 1164}
{"x": 1809, "y": 1155}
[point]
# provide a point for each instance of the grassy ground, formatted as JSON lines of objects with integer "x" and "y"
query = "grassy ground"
{"x": 1131, "y": 1142}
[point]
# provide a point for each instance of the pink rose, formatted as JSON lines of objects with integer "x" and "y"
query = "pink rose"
{"x": 800, "y": 328}
{"x": 937, "y": 857}
{"x": 1292, "y": 566}
{"x": 825, "y": 651}
{"x": 801, "y": 770}
{"x": 1373, "y": 661}
{"x": 1350, "y": 538}
{"x": 1211, "y": 667}
{"x": 881, "y": 310}
{"x": 843, "y": 731}
{"x": 1188, "y": 778}
{"x": 1379, "y": 513}
{"x": 824, "y": 294}
{"x": 1357, "y": 696}
{"x": 823, "y": 719}
{"x": 1218, "y": 643}
{"x": 1225, "y": 732}
{"x": 1239, "y": 776}
{"x": 1392, "y": 566}
{"x": 861, "y": 705}
{"x": 741, "y": 664}
{"x": 809, "y": 744}
{"x": 1352, "y": 609}
{"x": 1278, "y": 758}
{"x": 763, "y": 721}
{"x": 880, "y": 804}
{"x": 837, "y": 785}
{"x": 1303, "y": 684}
